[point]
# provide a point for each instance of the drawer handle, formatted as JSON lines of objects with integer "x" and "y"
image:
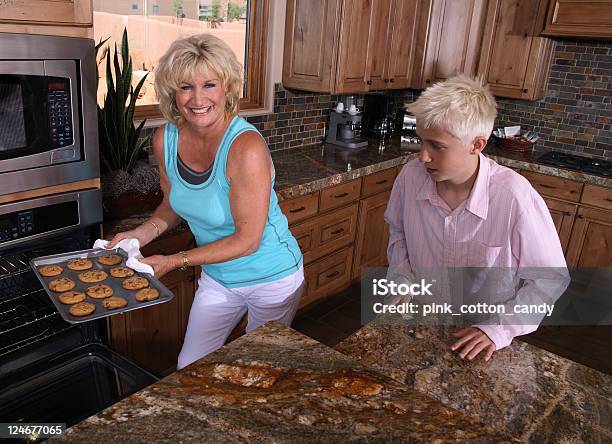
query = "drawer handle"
{"x": 580, "y": 216}
{"x": 567, "y": 213}
{"x": 543, "y": 185}
{"x": 333, "y": 275}
{"x": 380, "y": 182}
{"x": 608, "y": 199}
{"x": 341, "y": 195}
{"x": 297, "y": 210}
{"x": 337, "y": 231}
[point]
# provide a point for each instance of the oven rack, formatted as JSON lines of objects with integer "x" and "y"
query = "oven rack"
{"x": 45, "y": 327}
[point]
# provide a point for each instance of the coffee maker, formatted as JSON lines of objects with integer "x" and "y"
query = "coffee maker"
{"x": 379, "y": 115}
{"x": 344, "y": 129}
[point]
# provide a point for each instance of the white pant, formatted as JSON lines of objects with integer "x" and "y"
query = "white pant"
{"x": 216, "y": 310}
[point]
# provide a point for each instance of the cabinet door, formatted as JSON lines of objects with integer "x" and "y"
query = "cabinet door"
{"x": 372, "y": 233}
{"x": 591, "y": 241}
{"x": 311, "y": 37}
{"x": 453, "y": 39}
{"x": 514, "y": 61}
{"x": 579, "y": 18}
{"x": 153, "y": 336}
{"x": 401, "y": 44}
{"x": 352, "y": 67}
{"x": 563, "y": 215}
{"x": 48, "y": 12}
{"x": 380, "y": 39}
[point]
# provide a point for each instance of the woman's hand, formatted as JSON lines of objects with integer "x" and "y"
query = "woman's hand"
{"x": 131, "y": 234}
{"x": 471, "y": 342}
{"x": 161, "y": 264}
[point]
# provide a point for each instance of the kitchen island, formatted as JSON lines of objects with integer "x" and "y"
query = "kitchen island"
{"x": 530, "y": 394}
{"x": 277, "y": 385}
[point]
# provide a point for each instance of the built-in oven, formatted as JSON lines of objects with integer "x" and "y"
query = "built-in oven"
{"x": 48, "y": 120}
{"x": 51, "y": 370}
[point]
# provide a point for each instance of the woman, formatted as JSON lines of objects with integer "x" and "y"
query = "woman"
{"x": 217, "y": 175}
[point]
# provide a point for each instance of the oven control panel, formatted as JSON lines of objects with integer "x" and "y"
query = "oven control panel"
{"x": 26, "y": 223}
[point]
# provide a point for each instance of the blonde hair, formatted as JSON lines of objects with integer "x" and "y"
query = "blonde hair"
{"x": 189, "y": 56}
{"x": 462, "y": 106}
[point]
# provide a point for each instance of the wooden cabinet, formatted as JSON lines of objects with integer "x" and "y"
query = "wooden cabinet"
{"x": 563, "y": 214}
{"x": 554, "y": 186}
{"x": 448, "y": 39}
{"x": 514, "y": 59}
{"x": 579, "y": 18}
{"x": 349, "y": 46}
{"x": 591, "y": 240}
{"x": 54, "y": 17}
{"x": 153, "y": 336}
{"x": 391, "y": 45}
{"x": 583, "y": 218}
{"x": 372, "y": 235}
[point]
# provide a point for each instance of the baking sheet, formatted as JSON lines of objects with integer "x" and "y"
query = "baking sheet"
{"x": 165, "y": 295}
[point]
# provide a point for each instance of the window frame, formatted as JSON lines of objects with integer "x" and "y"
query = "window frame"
{"x": 257, "y": 52}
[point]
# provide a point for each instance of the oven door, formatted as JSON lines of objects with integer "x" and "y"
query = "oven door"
{"x": 38, "y": 114}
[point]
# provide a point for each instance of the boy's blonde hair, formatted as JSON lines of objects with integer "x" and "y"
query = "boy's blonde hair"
{"x": 189, "y": 56}
{"x": 462, "y": 106}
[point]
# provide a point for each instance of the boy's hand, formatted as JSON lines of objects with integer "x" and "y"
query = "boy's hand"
{"x": 471, "y": 342}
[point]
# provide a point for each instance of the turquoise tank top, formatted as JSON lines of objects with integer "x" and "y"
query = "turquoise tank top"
{"x": 206, "y": 208}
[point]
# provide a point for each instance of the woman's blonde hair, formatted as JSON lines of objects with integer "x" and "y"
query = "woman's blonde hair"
{"x": 462, "y": 106}
{"x": 189, "y": 56}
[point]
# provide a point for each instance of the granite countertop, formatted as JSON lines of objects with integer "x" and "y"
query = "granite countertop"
{"x": 531, "y": 394}
{"x": 277, "y": 385}
{"x": 309, "y": 168}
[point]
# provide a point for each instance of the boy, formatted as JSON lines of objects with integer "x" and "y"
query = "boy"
{"x": 453, "y": 207}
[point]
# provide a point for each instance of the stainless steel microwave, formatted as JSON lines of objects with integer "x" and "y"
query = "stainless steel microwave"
{"x": 48, "y": 114}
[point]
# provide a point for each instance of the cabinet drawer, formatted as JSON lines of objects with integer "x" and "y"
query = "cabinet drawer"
{"x": 301, "y": 207}
{"x": 324, "y": 234}
{"x": 327, "y": 276}
{"x": 378, "y": 182}
{"x": 339, "y": 195}
{"x": 597, "y": 196}
{"x": 554, "y": 186}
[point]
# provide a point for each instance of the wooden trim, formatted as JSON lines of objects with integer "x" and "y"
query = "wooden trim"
{"x": 257, "y": 54}
{"x": 40, "y": 29}
{"x": 64, "y": 188}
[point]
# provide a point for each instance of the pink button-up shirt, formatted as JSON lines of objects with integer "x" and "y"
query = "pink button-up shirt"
{"x": 503, "y": 223}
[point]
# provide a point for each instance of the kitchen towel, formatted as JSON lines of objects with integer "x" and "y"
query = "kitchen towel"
{"x": 132, "y": 248}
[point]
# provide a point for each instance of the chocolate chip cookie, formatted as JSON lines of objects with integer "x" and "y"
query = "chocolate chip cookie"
{"x": 121, "y": 272}
{"x": 62, "y": 284}
{"x": 50, "y": 270}
{"x": 93, "y": 276}
{"x": 110, "y": 259}
{"x": 82, "y": 309}
{"x": 135, "y": 283}
{"x": 99, "y": 291}
{"x": 147, "y": 294}
{"x": 80, "y": 264}
{"x": 71, "y": 297}
{"x": 114, "y": 302}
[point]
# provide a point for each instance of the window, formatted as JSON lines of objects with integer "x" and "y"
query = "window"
{"x": 152, "y": 25}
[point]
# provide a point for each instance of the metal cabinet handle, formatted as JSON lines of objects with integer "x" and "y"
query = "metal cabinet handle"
{"x": 380, "y": 182}
{"x": 392, "y": 80}
{"x": 580, "y": 216}
{"x": 427, "y": 81}
{"x": 334, "y": 274}
{"x": 386, "y": 80}
{"x": 543, "y": 185}
{"x": 337, "y": 231}
{"x": 567, "y": 213}
{"x": 341, "y": 195}
{"x": 369, "y": 82}
{"x": 297, "y": 210}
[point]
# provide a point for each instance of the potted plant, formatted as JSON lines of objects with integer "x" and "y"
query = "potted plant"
{"x": 128, "y": 186}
